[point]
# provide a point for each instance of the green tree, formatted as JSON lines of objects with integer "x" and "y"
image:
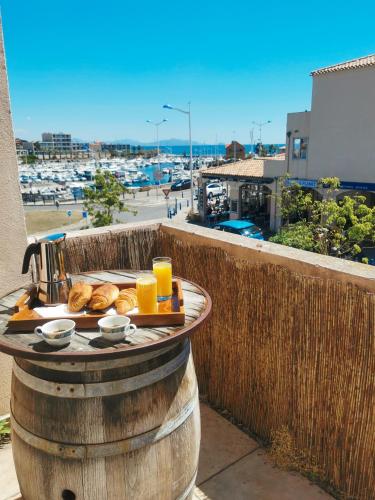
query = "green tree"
{"x": 30, "y": 159}
{"x": 298, "y": 235}
{"x": 294, "y": 202}
{"x": 102, "y": 200}
{"x": 272, "y": 149}
{"x": 260, "y": 150}
{"x": 329, "y": 227}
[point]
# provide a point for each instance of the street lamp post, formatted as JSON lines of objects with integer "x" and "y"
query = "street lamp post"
{"x": 188, "y": 113}
{"x": 260, "y": 125}
{"x": 157, "y": 125}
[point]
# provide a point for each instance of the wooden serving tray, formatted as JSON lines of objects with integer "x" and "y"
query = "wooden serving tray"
{"x": 171, "y": 312}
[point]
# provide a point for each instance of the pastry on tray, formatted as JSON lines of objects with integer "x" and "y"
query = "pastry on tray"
{"x": 103, "y": 297}
{"x": 127, "y": 300}
{"x": 79, "y": 295}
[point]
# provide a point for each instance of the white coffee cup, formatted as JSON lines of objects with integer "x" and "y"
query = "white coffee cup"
{"x": 58, "y": 332}
{"x": 116, "y": 328}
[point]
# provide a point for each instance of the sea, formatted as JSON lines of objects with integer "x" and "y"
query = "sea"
{"x": 210, "y": 150}
{"x": 150, "y": 171}
{"x": 206, "y": 149}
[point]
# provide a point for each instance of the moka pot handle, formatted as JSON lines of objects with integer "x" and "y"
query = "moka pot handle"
{"x": 33, "y": 248}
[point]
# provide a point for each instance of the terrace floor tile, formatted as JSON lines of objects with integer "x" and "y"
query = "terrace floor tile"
{"x": 222, "y": 444}
{"x": 255, "y": 478}
{"x": 232, "y": 466}
{"x": 9, "y": 485}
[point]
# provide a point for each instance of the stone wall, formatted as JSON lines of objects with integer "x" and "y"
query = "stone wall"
{"x": 12, "y": 221}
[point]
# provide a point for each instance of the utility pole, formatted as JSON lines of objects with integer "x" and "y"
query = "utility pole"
{"x": 157, "y": 125}
{"x": 252, "y": 140}
{"x": 188, "y": 113}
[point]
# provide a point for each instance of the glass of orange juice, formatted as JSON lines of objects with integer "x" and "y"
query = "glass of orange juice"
{"x": 162, "y": 268}
{"x": 146, "y": 286}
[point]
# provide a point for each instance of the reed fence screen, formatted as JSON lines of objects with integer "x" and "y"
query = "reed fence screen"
{"x": 282, "y": 349}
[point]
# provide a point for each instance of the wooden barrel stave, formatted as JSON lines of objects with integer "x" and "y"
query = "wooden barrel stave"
{"x": 144, "y": 443}
{"x": 100, "y": 371}
{"x": 53, "y": 417}
{"x": 142, "y": 474}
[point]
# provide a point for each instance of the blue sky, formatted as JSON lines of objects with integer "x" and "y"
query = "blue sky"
{"x": 100, "y": 69}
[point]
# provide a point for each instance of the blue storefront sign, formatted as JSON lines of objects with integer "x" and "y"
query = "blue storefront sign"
{"x": 358, "y": 186}
{"x": 313, "y": 183}
{"x": 308, "y": 183}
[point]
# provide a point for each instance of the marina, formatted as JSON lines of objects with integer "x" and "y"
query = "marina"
{"x": 65, "y": 180}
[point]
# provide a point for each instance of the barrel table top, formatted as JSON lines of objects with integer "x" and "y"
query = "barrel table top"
{"x": 88, "y": 345}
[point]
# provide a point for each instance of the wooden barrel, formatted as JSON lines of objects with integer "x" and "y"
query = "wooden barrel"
{"x": 120, "y": 429}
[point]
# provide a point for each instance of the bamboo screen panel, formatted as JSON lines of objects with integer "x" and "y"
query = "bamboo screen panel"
{"x": 132, "y": 249}
{"x": 281, "y": 348}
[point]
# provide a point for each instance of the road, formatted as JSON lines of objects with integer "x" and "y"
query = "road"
{"x": 148, "y": 207}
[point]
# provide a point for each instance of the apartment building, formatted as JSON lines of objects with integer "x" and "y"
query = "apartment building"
{"x": 114, "y": 148}
{"x": 24, "y": 148}
{"x": 337, "y": 137}
{"x": 59, "y": 142}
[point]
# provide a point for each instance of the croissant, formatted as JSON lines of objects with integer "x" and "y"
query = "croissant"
{"x": 79, "y": 296}
{"x": 104, "y": 296}
{"x": 127, "y": 300}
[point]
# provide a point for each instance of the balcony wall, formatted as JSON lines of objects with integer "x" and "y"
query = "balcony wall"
{"x": 290, "y": 342}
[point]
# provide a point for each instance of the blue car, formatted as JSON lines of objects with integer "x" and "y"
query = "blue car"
{"x": 241, "y": 227}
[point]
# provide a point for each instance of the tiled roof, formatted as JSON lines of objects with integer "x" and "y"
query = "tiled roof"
{"x": 233, "y": 142}
{"x": 361, "y": 62}
{"x": 245, "y": 168}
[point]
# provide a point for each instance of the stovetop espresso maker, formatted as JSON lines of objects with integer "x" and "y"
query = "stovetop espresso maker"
{"x": 49, "y": 272}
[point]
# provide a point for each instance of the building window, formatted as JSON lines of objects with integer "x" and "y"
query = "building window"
{"x": 234, "y": 206}
{"x": 300, "y": 145}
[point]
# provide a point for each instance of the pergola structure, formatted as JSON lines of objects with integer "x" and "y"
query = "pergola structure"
{"x": 249, "y": 184}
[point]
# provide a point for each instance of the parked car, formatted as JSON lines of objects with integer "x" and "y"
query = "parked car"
{"x": 367, "y": 253}
{"x": 180, "y": 185}
{"x": 214, "y": 189}
{"x": 241, "y": 227}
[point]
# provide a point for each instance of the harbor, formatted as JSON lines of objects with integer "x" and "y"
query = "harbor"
{"x": 63, "y": 181}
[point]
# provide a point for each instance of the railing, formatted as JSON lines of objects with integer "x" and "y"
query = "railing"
{"x": 290, "y": 343}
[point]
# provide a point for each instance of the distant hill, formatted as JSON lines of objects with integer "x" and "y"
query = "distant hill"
{"x": 134, "y": 142}
{"x": 163, "y": 142}
{"x": 76, "y": 139}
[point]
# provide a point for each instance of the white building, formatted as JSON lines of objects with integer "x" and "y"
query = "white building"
{"x": 56, "y": 142}
{"x": 337, "y": 137}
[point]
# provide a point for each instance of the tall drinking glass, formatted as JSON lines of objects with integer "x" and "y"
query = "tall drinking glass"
{"x": 146, "y": 286}
{"x": 162, "y": 267}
